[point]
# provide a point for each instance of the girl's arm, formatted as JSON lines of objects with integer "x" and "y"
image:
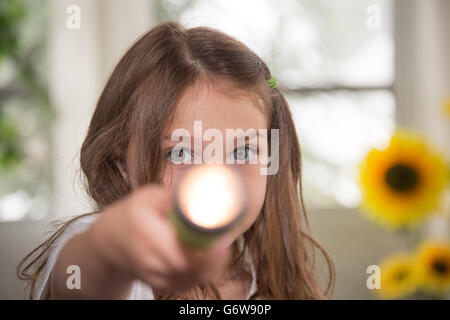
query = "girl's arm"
{"x": 133, "y": 239}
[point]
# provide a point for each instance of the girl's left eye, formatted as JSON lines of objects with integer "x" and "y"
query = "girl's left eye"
{"x": 179, "y": 155}
{"x": 244, "y": 153}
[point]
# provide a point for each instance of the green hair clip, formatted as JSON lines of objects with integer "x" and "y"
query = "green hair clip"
{"x": 272, "y": 82}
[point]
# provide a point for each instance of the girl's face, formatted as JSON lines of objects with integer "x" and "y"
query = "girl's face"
{"x": 217, "y": 110}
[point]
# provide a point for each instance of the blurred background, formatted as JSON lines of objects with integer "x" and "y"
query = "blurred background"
{"x": 353, "y": 71}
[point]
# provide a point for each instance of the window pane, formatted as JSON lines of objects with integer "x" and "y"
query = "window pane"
{"x": 336, "y": 130}
{"x": 305, "y": 42}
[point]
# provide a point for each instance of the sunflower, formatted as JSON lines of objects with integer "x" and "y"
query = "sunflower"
{"x": 433, "y": 261}
{"x": 399, "y": 277}
{"x": 403, "y": 182}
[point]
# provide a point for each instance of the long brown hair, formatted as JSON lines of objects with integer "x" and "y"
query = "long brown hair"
{"x": 136, "y": 105}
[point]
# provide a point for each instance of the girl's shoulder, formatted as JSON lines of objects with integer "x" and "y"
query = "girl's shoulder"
{"x": 72, "y": 227}
{"x": 83, "y": 221}
{"x": 139, "y": 291}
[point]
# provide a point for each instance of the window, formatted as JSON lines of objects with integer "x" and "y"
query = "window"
{"x": 25, "y": 112}
{"x": 336, "y": 72}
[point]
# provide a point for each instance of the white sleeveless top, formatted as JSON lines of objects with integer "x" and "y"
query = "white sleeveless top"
{"x": 139, "y": 290}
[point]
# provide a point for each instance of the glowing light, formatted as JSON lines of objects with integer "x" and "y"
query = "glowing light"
{"x": 211, "y": 196}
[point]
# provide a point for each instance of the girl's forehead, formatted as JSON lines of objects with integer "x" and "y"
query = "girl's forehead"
{"x": 217, "y": 108}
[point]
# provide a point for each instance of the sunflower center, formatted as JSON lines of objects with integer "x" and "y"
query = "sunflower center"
{"x": 401, "y": 275}
{"x": 440, "y": 267}
{"x": 402, "y": 178}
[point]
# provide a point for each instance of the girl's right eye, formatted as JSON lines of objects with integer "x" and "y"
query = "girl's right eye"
{"x": 179, "y": 155}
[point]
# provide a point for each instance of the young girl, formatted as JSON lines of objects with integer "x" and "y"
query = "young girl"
{"x": 127, "y": 248}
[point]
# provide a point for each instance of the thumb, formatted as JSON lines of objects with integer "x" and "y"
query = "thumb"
{"x": 219, "y": 254}
{"x": 210, "y": 262}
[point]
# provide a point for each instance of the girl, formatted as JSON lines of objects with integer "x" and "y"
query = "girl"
{"x": 127, "y": 248}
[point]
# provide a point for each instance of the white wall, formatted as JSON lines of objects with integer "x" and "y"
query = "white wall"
{"x": 422, "y": 30}
{"x": 81, "y": 61}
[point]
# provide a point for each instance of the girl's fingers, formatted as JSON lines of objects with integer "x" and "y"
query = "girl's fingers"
{"x": 208, "y": 264}
{"x": 157, "y": 198}
{"x": 167, "y": 246}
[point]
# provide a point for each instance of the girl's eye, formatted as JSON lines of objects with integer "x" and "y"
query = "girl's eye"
{"x": 179, "y": 155}
{"x": 244, "y": 153}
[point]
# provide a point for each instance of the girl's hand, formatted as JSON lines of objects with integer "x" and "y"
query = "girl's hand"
{"x": 135, "y": 237}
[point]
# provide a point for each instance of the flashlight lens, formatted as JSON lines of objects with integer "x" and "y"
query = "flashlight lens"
{"x": 211, "y": 196}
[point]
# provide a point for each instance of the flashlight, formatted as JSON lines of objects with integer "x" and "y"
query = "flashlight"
{"x": 209, "y": 200}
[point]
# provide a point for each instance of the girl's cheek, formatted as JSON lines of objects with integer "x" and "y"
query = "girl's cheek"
{"x": 256, "y": 183}
{"x": 169, "y": 179}
{"x": 172, "y": 174}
